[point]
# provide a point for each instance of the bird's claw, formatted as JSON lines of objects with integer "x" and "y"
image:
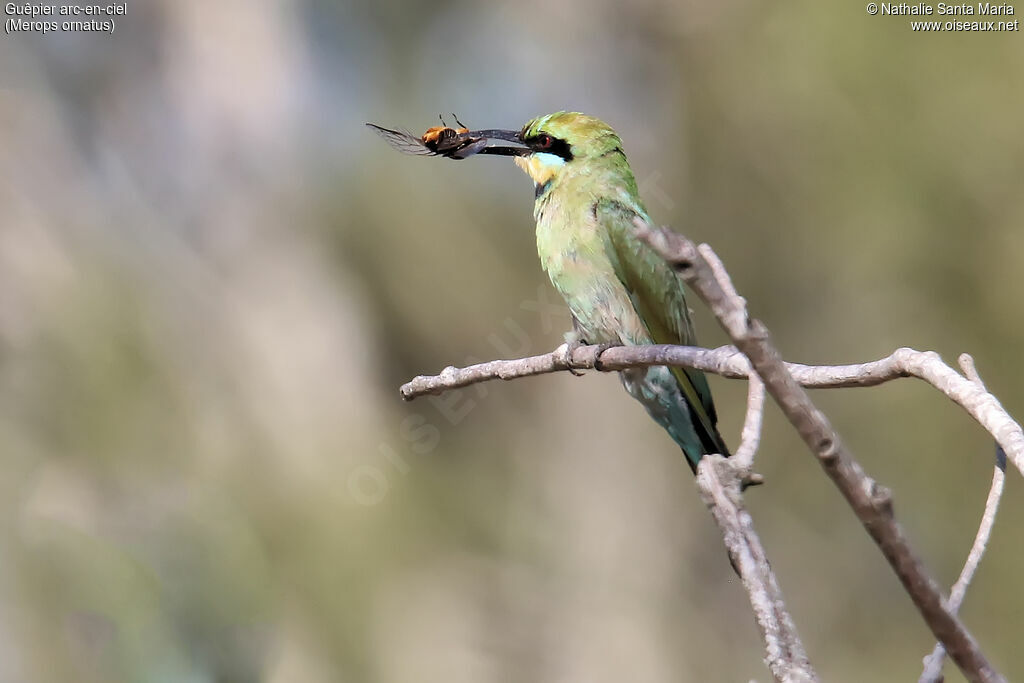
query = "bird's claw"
{"x": 574, "y": 342}
{"x": 568, "y": 348}
{"x": 601, "y": 348}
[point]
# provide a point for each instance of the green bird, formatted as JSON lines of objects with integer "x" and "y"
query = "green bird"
{"x": 619, "y": 291}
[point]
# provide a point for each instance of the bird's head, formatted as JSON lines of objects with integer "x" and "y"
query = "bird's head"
{"x": 548, "y": 145}
{"x": 555, "y": 141}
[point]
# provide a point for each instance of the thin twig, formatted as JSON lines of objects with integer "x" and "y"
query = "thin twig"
{"x": 750, "y": 437}
{"x": 871, "y": 502}
{"x": 718, "y": 483}
{"x": 727, "y": 362}
{"x": 988, "y": 518}
{"x": 933, "y": 662}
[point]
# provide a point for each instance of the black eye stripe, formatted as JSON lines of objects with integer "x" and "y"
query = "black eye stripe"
{"x": 556, "y": 146}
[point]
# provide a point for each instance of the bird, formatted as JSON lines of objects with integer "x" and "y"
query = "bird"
{"x": 618, "y": 290}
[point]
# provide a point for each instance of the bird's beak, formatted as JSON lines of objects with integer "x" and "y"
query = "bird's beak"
{"x": 500, "y": 150}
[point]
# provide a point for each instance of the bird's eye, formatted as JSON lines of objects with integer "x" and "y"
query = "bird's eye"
{"x": 545, "y": 141}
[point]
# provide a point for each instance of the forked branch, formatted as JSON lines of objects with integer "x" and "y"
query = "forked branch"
{"x": 719, "y": 480}
{"x": 871, "y": 502}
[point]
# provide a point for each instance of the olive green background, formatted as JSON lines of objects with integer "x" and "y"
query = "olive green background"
{"x": 213, "y": 280}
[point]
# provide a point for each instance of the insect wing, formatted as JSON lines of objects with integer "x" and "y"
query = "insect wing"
{"x": 472, "y": 146}
{"x": 402, "y": 141}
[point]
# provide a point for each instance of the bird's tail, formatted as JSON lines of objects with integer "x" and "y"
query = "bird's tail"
{"x": 660, "y": 391}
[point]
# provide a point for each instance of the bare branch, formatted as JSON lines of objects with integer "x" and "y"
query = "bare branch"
{"x": 718, "y": 482}
{"x": 972, "y": 397}
{"x": 933, "y": 663}
{"x": 970, "y": 371}
{"x": 750, "y": 437}
{"x": 727, "y": 362}
{"x": 988, "y": 518}
{"x": 871, "y": 502}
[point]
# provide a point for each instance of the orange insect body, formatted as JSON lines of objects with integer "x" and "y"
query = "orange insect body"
{"x": 443, "y": 140}
{"x": 440, "y": 134}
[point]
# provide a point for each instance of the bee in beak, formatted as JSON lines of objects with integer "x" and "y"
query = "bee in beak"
{"x": 453, "y": 143}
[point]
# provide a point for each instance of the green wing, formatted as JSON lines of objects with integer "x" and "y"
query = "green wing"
{"x": 659, "y": 298}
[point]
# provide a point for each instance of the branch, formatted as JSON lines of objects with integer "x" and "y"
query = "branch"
{"x": 727, "y": 362}
{"x": 933, "y": 663}
{"x": 718, "y": 483}
{"x": 871, "y": 502}
{"x": 750, "y": 437}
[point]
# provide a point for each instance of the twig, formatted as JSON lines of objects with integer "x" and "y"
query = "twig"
{"x": 750, "y": 437}
{"x": 933, "y": 663}
{"x": 727, "y": 362}
{"x": 871, "y": 502}
{"x": 718, "y": 483}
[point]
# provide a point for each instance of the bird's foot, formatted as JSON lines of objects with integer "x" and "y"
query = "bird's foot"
{"x": 601, "y": 348}
{"x": 573, "y": 341}
{"x": 567, "y": 349}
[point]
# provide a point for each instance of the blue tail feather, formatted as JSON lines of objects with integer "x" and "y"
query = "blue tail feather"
{"x": 659, "y": 392}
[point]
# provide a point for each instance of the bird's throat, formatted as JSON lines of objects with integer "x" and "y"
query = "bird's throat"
{"x": 542, "y": 168}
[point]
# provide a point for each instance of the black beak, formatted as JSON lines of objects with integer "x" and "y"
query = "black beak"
{"x": 448, "y": 142}
{"x": 499, "y": 134}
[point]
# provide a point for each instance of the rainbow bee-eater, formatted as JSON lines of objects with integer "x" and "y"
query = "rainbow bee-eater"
{"x": 619, "y": 291}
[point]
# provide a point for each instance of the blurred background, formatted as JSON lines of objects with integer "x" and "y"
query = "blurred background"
{"x": 213, "y": 280}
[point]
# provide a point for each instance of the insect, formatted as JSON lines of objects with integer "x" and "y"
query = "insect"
{"x": 443, "y": 140}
